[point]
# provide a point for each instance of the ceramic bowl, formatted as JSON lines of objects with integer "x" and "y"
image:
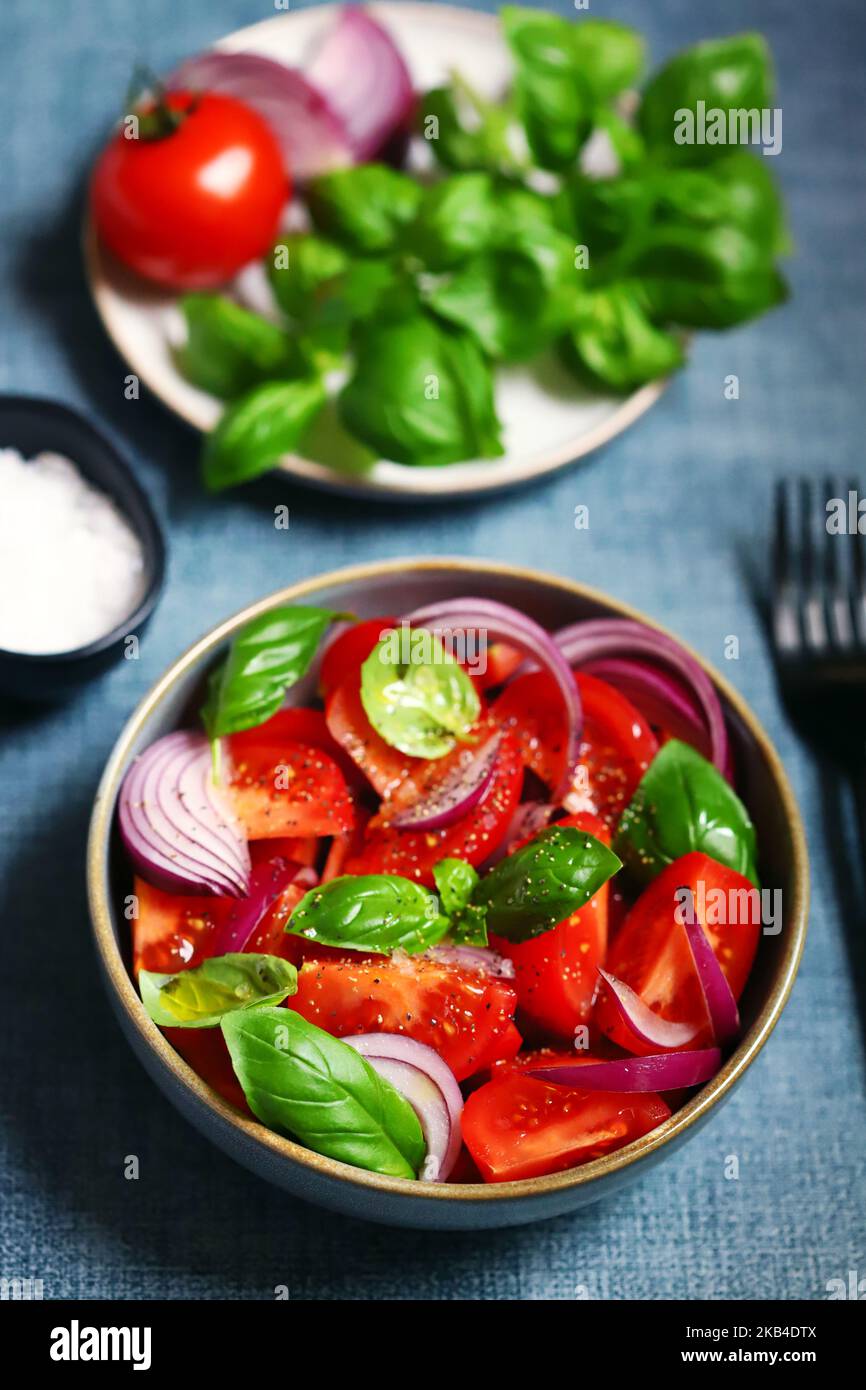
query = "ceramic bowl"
{"x": 399, "y": 586}
{"x": 31, "y": 425}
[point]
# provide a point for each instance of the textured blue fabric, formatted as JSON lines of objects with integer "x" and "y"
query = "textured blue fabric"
{"x": 679, "y": 510}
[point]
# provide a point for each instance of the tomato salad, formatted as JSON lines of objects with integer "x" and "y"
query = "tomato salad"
{"x": 446, "y": 896}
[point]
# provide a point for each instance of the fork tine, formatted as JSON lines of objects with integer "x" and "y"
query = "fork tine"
{"x": 812, "y": 599}
{"x": 786, "y": 624}
{"x": 858, "y": 567}
{"x": 838, "y": 604}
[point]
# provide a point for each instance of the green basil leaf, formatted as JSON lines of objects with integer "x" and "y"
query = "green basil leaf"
{"x": 267, "y": 656}
{"x": 457, "y": 217}
{"x": 228, "y": 349}
{"x": 723, "y": 304}
{"x": 370, "y": 912}
{"x": 419, "y": 700}
{"x": 707, "y": 255}
{"x": 541, "y": 884}
{"x": 517, "y": 298}
{"x": 615, "y": 341}
{"x": 257, "y": 429}
{"x": 725, "y": 74}
{"x": 564, "y": 71}
{"x": 683, "y": 803}
{"x": 365, "y": 207}
{"x": 464, "y": 131}
{"x": 737, "y": 190}
{"x": 202, "y": 996}
{"x": 300, "y": 264}
{"x": 456, "y": 881}
{"x": 421, "y": 393}
{"x": 300, "y": 1081}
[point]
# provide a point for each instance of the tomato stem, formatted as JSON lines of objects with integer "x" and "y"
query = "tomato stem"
{"x": 146, "y": 100}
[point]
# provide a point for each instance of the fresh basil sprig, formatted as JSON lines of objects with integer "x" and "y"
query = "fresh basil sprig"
{"x": 416, "y": 696}
{"x": 256, "y": 430}
{"x": 370, "y": 912}
{"x": 300, "y": 1081}
{"x": 202, "y": 996}
{"x": 267, "y": 657}
{"x": 229, "y": 349}
{"x": 457, "y": 881}
{"x": 683, "y": 803}
{"x": 530, "y": 891}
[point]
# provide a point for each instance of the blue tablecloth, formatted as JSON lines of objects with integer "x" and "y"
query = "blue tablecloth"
{"x": 680, "y": 510}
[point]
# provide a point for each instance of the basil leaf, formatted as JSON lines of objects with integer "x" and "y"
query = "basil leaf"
{"x": 365, "y": 206}
{"x": 727, "y": 74}
{"x": 464, "y": 131}
{"x": 541, "y": 884}
{"x": 738, "y": 190}
{"x": 257, "y": 429}
{"x": 724, "y": 304}
{"x": 421, "y": 393}
{"x": 683, "y": 803}
{"x": 517, "y": 298}
{"x": 370, "y": 912}
{"x": 228, "y": 349}
{"x": 456, "y": 881}
{"x": 564, "y": 71}
{"x": 615, "y": 341}
{"x": 457, "y": 217}
{"x": 202, "y": 996}
{"x": 300, "y": 263}
{"x": 421, "y": 702}
{"x": 267, "y": 656}
{"x": 300, "y": 1081}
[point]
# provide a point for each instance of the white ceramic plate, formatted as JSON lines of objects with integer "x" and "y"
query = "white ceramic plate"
{"x": 549, "y": 419}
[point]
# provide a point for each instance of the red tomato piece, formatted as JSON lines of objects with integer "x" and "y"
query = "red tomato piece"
{"x": 651, "y": 951}
{"x": 295, "y": 724}
{"x": 502, "y": 662}
{"x": 191, "y": 208}
{"x": 294, "y": 790}
{"x": 383, "y": 766}
{"x": 413, "y": 853}
{"x": 205, "y": 1050}
{"x": 301, "y": 850}
{"x": 519, "y": 1127}
{"x": 616, "y": 749}
{"x": 170, "y": 931}
{"x": 348, "y": 652}
{"x": 465, "y": 1015}
{"x": 557, "y": 973}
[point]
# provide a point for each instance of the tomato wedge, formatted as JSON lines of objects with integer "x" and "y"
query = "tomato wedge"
{"x": 616, "y": 749}
{"x": 296, "y": 724}
{"x": 465, "y": 1015}
{"x": 651, "y": 951}
{"x": 383, "y": 766}
{"x": 557, "y": 973}
{"x": 205, "y": 1050}
{"x": 348, "y": 652}
{"x": 519, "y": 1127}
{"x": 294, "y": 790}
{"x": 413, "y": 853}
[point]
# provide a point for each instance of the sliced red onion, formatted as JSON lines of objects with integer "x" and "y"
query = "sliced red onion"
{"x": 430, "y": 1087}
{"x": 501, "y": 623}
{"x": 588, "y": 642}
{"x": 178, "y": 828}
{"x": 663, "y": 1071}
{"x": 361, "y": 73}
{"x": 457, "y": 793}
{"x": 642, "y": 1021}
{"x": 268, "y": 880}
{"x": 718, "y": 995}
{"x": 528, "y": 819}
{"x": 480, "y": 958}
{"x": 310, "y": 133}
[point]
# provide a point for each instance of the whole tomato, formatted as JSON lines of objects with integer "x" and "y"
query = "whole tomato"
{"x": 190, "y": 191}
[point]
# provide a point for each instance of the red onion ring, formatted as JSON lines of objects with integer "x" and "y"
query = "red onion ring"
{"x": 643, "y": 1021}
{"x": 582, "y": 643}
{"x": 178, "y": 828}
{"x": 430, "y": 1087}
{"x": 663, "y": 1071}
{"x": 361, "y": 73}
{"x": 718, "y": 995}
{"x": 308, "y": 130}
{"x": 268, "y": 880}
{"x": 501, "y": 623}
{"x": 481, "y": 958}
{"x": 457, "y": 793}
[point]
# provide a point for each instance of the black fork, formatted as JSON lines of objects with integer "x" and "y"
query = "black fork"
{"x": 818, "y": 619}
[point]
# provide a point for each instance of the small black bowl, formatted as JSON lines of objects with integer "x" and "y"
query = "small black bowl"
{"x": 31, "y": 424}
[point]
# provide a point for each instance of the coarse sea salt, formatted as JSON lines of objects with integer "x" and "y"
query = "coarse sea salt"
{"x": 71, "y": 566}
